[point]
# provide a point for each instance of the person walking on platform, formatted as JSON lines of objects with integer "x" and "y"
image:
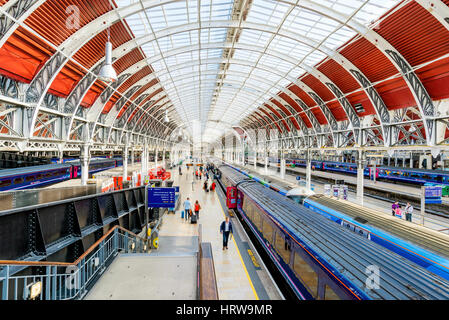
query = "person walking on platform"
{"x": 212, "y": 186}
{"x": 226, "y": 229}
{"x": 180, "y": 173}
{"x": 197, "y": 209}
{"x": 393, "y": 208}
{"x": 408, "y": 212}
{"x": 398, "y": 212}
{"x": 187, "y": 209}
{"x": 205, "y": 186}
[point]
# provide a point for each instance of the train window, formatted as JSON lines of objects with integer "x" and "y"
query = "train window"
{"x": 267, "y": 231}
{"x": 18, "y": 180}
{"x": 257, "y": 220}
{"x": 47, "y": 175}
{"x": 248, "y": 208}
{"x": 282, "y": 247}
{"x": 5, "y": 183}
{"x": 306, "y": 274}
{"x": 39, "y": 176}
{"x": 329, "y": 294}
{"x": 30, "y": 178}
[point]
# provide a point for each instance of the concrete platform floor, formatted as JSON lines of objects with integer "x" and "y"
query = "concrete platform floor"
{"x": 146, "y": 277}
{"x": 170, "y": 272}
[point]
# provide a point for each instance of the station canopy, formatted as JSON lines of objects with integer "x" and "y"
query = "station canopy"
{"x": 219, "y": 60}
{"x": 333, "y": 73}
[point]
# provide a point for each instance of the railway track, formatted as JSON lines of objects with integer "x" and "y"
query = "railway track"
{"x": 440, "y": 210}
{"x": 425, "y": 238}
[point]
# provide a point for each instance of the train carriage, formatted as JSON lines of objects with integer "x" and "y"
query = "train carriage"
{"x": 32, "y": 177}
{"x": 321, "y": 260}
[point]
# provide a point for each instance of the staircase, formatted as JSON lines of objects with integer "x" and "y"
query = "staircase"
{"x": 40, "y": 280}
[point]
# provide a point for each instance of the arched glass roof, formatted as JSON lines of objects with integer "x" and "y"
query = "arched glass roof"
{"x": 212, "y": 56}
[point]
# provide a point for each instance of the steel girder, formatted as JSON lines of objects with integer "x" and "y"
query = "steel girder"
{"x": 326, "y": 111}
{"x": 37, "y": 90}
{"x": 417, "y": 87}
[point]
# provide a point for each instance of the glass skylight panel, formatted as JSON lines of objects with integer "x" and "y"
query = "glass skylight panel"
{"x": 266, "y": 75}
{"x": 192, "y": 88}
{"x": 313, "y": 58}
{"x": 373, "y": 10}
{"x": 148, "y": 49}
{"x": 157, "y": 18}
{"x": 239, "y": 68}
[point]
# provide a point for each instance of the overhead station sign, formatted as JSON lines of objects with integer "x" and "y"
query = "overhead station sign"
{"x": 433, "y": 194}
{"x": 161, "y": 197}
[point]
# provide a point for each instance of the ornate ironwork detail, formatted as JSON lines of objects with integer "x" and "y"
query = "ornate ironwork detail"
{"x": 9, "y": 87}
{"x": 122, "y": 101}
{"x": 352, "y": 115}
{"x": 107, "y": 93}
{"x": 313, "y": 120}
{"x": 420, "y": 92}
{"x": 40, "y": 82}
{"x": 51, "y": 101}
{"x": 74, "y": 99}
{"x": 124, "y": 117}
{"x": 16, "y": 11}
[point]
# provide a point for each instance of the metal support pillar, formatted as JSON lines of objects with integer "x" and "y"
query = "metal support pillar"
{"x": 266, "y": 165}
{"x": 132, "y": 156}
{"x": 360, "y": 169}
{"x": 411, "y": 160}
{"x": 423, "y": 205}
{"x": 155, "y": 157}
{"x": 255, "y": 160}
{"x": 125, "y": 163}
{"x": 144, "y": 161}
{"x": 61, "y": 156}
{"x": 308, "y": 170}
{"x": 282, "y": 165}
{"x": 163, "y": 158}
{"x": 84, "y": 159}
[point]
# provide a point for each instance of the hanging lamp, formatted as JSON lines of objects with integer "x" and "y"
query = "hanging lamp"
{"x": 107, "y": 72}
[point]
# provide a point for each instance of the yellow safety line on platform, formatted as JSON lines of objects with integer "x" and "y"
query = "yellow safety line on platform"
{"x": 240, "y": 256}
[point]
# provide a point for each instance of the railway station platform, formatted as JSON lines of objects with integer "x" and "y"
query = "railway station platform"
{"x": 395, "y": 189}
{"x": 379, "y": 206}
{"x": 170, "y": 271}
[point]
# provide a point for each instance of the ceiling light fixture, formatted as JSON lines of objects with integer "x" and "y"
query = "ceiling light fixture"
{"x": 107, "y": 72}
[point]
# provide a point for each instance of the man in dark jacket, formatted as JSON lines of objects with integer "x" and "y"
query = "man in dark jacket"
{"x": 226, "y": 229}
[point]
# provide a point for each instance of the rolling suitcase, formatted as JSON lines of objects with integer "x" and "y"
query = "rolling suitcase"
{"x": 182, "y": 214}
{"x": 193, "y": 219}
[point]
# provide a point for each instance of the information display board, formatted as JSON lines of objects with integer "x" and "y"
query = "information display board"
{"x": 161, "y": 197}
{"x": 432, "y": 192}
{"x": 433, "y": 195}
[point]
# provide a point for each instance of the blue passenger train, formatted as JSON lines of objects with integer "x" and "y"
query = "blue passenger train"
{"x": 319, "y": 259}
{"x": 38, "y": 176}
{"x": 392, "y": 174}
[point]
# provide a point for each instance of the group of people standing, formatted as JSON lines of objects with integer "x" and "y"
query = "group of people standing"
{"x": 397, "y": 211}
{"x": 188, "y": 213}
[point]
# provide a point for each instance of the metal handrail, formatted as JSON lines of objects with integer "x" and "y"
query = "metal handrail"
{"x": 75, "y": 280}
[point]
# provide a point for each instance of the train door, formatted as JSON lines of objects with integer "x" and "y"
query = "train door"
{"x": 76, "y": 171}
{"x": 239, "y": 199}
{"x": 373, "y": 173}
{"x": 231, "y": 197}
